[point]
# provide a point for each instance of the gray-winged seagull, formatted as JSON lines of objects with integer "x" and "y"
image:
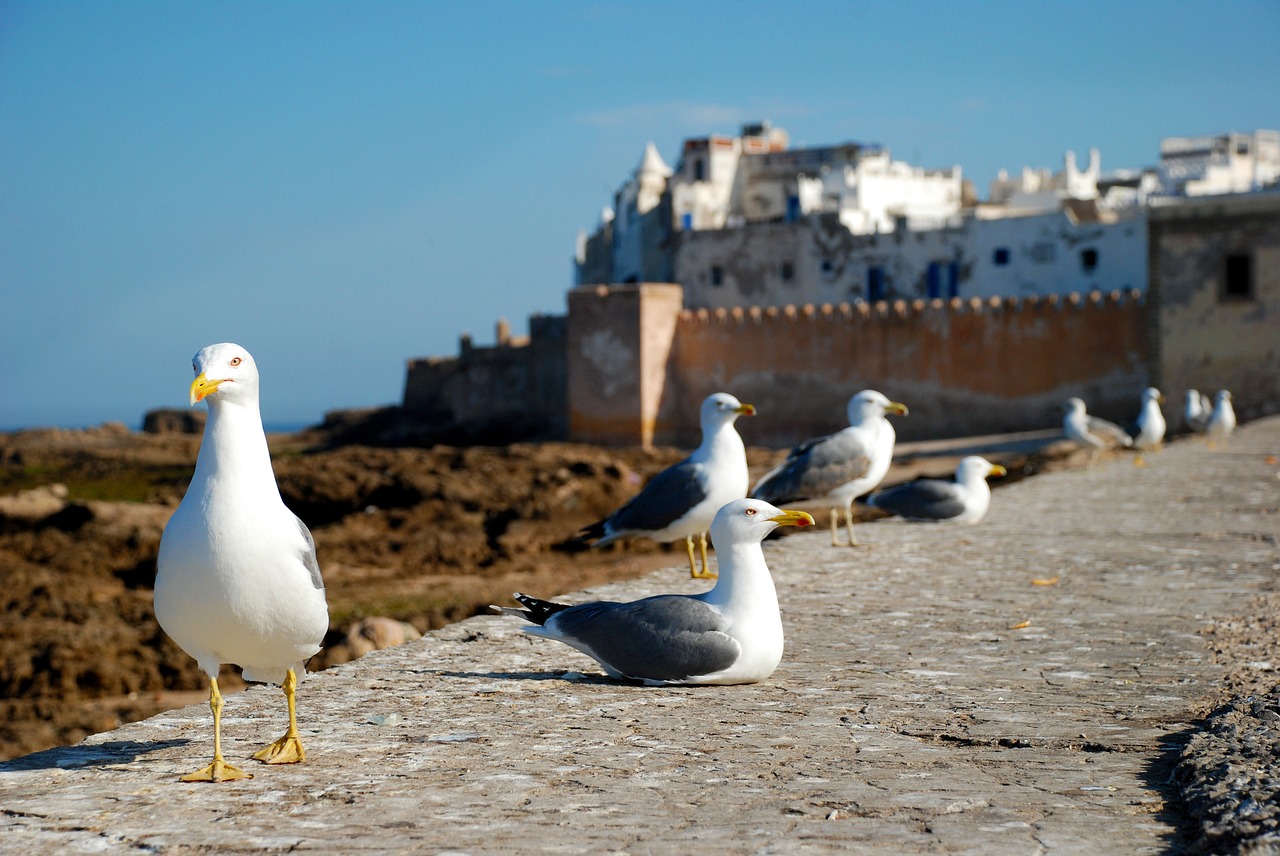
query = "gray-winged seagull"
{"x": 1091, "y": 432}
{"x": 963, "y": 500}
{"x": 731, "y": 634}
{"x": 682, "y": 500}
{"x": 1222, "y": 421}
{"x": 836, "y": 469}
{"x": 237, "y": 579}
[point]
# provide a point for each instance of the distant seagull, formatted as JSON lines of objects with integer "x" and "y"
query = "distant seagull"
{"x": 838, "y": 468}
{"x": 964, "y": 500}
{"x": 1196, "y": 411}
{"x": 1148, "y": 428}
{"x": 682, "y": 500}
{"x": 731, "y": 634}
{"x": 237, "y": 579}
{"x": 1223, "y": 420}
{"x": 1091, "y": 432}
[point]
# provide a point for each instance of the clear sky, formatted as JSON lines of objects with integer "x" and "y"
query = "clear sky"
{"x": 340, "y": 186}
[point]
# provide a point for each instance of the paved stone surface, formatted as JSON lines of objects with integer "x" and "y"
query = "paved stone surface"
{"x": 933, "y": 698}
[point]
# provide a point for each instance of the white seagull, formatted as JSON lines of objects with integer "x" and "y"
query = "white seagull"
{"x": 836, "y": 469}
{"x": 1149, "y": 426}
{"x": 237, "y": 579}
{"x": 731, "y": 634}
{"x": 1196, "y": 411}
{"x": 964, "y": 500}
{"x": 682, "y": 500}
{"x": 1091, "y": 432}
{"x": 1223, "y": 420}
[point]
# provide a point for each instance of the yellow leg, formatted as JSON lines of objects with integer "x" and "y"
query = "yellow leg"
{"x": 835, "y": 517}
{"x": 693, "y": 564}
{"x": 288, "y": 749}
{"x": 705, "y": 573}
{"x": 218, "y": 769}
{"x": 848, "y": 524}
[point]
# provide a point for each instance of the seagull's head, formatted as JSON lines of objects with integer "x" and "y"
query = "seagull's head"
{"x": 869, "y": 404}
{"x": 224, "y": 372}
{"x": 722, "y": 408}
{"x": 977, "y": 468}
{"x": 751, "y": 520}
{"x": 1224, "y": 395}
{"x": 1152, "y": 394}
{"x": 1073, "y": 406}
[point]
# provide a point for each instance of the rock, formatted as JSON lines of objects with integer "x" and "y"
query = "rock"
{"x": 172, "y": 420}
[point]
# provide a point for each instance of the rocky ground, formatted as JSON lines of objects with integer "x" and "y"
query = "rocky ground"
{"x": 409, "y": 539}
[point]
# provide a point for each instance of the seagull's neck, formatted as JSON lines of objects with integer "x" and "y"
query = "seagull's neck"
{"x": 719, "y": 442}
{"x": 744, "y": 578}
{"x": 235, "y": 448}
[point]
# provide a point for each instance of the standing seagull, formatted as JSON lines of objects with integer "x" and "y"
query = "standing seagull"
{"x": 838, "y": 468}
{"x": 1149, "y": 427}
{"x": 964, "y": 500}
{"x": 1090, "y": 431}
{"x": 1223, "y": 420}
{"x": 731, "y": 634}
{"x": 237, "y": 579}
{"x": 682, "y": 500}
{"x": 1196, "y": 411}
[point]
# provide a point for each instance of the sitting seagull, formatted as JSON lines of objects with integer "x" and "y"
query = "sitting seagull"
{"x": 964, "y": 500}
{"x": 1196, "y": 411}
{"x": 237, "y": 579}
{"x": 731, "y": 634}
{"x": 1149, "y": 426}
{"x": 1090, "y": 431}
{"x": 682, "y": 500}
{"x": 840, "y": 467}
{"x": 1222, "y": 421}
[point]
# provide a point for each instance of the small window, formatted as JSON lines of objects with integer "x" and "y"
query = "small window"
{"x": 1000, "y": 257}
{"x": 827, "y": 267}
{"x": 875, "y": 284}
{"x": 717, "y": 275}
{"x": 1089, "y": 260}
{"x": 699, "y": 170}
{"x": 787, "y": 271}
{"x": 1043, "y": 252}
{"x": 1238, "y": 281}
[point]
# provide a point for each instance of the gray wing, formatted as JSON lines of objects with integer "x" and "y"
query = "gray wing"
{"x": 309, "y": 555}
{"x": 1109, "y": 431}
{"x": 665, "y": 499}
{"x": 924, "y": 499}
{"x": 816, "y": 468}
{"x": 662, "y": 638}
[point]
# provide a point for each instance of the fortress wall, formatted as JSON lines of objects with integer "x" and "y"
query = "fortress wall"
{"x": 963, "y": 366}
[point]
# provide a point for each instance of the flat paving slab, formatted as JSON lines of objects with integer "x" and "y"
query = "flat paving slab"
{"x": 1022, "y": 686}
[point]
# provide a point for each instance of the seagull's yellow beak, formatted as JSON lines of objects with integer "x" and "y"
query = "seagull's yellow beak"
{"x": 746, "y": 409}
{"x": 896, "y": 408}
{"x": 793, "y": 518}
{"x": 997, "y": 470}
{"x": 203, "y": 386}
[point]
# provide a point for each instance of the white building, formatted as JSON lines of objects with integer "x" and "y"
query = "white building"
{"x": 1214, "y": 165}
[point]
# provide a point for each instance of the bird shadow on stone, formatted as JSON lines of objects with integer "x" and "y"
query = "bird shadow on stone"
{"x": 553, "y": 675}
{"x": 93, "y": 755}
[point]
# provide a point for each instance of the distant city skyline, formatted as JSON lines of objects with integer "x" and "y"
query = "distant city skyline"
{"x": 341, "y": 187}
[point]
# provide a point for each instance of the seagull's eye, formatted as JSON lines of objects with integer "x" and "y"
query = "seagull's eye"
{"x": 235, "y": 361}
{"x": 751, "y": 512}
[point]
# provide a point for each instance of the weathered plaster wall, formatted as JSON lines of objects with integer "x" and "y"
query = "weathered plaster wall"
{"x": 618, "y": 344}
{"x": 830, "y": 264}
{"x": 1205, "y": 340}
{"x": 962, "y": 366}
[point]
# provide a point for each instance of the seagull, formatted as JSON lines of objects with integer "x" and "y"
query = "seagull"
{"x": 1223, "y": 420}
{"x": 1196, "y": 411}
{"x": 731, "y": 634}
{"x": 1148, "y": 428}
{"x": 1090, "y": 431}
{"x": 838, "y": 468}
{"x": 682, "y": 500}
{"x": 237, "y": 579}
{"x": 964, "y": 500}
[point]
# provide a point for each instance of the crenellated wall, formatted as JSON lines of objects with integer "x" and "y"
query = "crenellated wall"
{"x": 963, "y": 366}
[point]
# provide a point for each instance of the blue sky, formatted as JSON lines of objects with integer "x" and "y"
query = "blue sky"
{"x": 340, "y": 186}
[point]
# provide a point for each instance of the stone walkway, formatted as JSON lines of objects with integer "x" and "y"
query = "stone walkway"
{"x": 1018, "y": 687}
